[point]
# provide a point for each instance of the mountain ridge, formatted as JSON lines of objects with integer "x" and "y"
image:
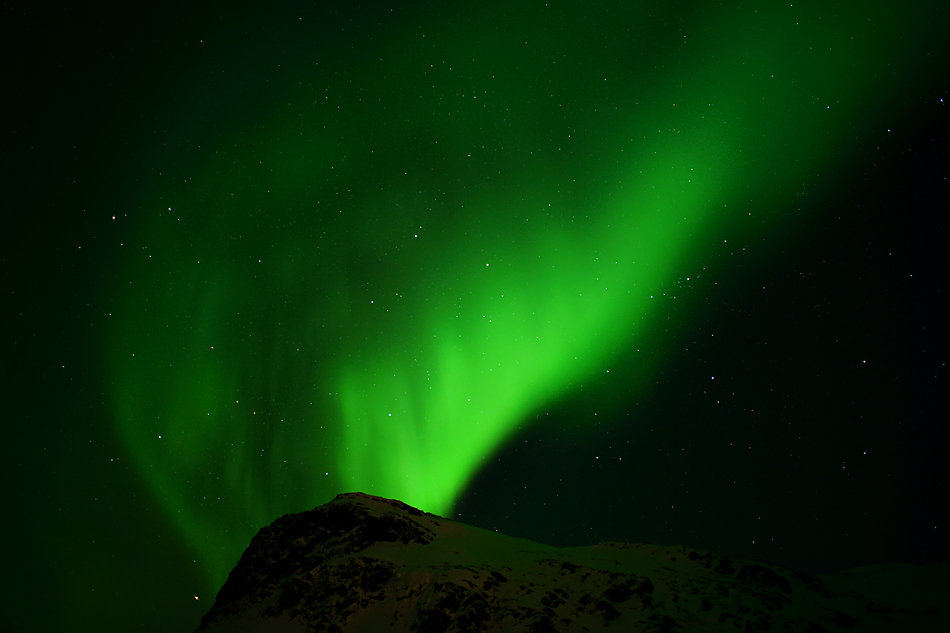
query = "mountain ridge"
{"x": 367, "y": 563}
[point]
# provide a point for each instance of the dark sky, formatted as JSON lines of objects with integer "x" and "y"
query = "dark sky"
{"x": 784, "y": 400}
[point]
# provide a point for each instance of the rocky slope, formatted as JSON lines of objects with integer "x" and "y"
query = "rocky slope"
{"x": 364, "y": 563}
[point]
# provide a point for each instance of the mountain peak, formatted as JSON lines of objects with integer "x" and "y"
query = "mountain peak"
{"x": 367, "y": 563}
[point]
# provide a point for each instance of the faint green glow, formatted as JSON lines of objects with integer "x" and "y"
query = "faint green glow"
{"x": 367, "y": 283}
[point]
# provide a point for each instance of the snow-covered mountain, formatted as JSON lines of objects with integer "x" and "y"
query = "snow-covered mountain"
{"x": 365, "y": 563}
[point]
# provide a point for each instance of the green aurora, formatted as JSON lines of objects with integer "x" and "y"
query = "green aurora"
{"x": 363, "y": 260}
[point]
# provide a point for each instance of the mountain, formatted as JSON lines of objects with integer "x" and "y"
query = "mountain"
{"x": 365, "y": 563}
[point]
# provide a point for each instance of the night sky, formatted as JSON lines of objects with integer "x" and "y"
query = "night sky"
{"x": 574, "y": 272}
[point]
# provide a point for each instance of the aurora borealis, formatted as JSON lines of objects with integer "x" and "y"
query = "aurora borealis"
{"x": 369, "y": 248}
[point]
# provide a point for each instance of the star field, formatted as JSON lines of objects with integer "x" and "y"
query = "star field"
{"x": 574, "y": 273}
